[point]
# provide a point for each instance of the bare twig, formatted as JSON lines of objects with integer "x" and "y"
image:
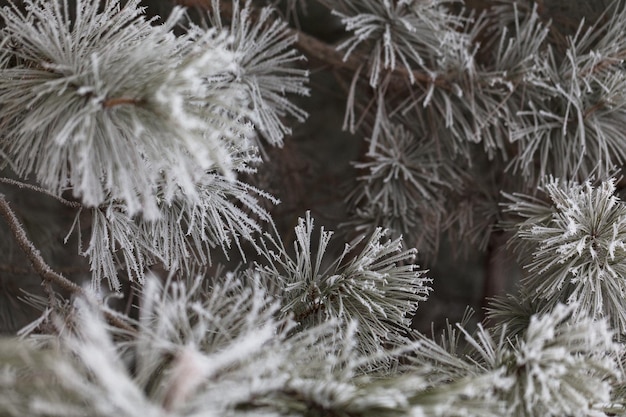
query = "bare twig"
{"x": 42, "y": 268}
{"x": 23, "y": 185}
{"x": 31, "y": 252}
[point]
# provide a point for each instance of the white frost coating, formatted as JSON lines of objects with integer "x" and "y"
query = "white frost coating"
{"x": 576, "y": 247}
{"x": 133, "y": 101}
{"x": 192, "y": 368}
{"x": 147, "y": 128}
{"x": 266, "y": 68}
{"x": 563, "y": 363}
{"x": 118, "y": 393}
{"x": 376, "y": 286}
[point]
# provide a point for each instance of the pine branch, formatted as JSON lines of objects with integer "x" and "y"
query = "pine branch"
{"x": 319, "y": 50}
{"x": 373, "y": 282}
{"x": 178, "y": 116}
{"x": 573, "y": 247}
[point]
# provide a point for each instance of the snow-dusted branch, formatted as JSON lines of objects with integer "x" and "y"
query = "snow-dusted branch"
{"x": 32, "y": 187}
{"x": 374, "y": 282}
{"x": 320, "y": 51}
{"x": 40, "y": 265}
{"x": 573, "y": 246}
{"x": 31, "y": 252}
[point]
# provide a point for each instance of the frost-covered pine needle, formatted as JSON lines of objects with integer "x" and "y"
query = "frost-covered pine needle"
{"x": 404, "y": 184}
{"x": 374, "y": 282}
{"x": 573, "y": 247}
{"x": 267, "y": 67}
{"x": 563, "y": 363}
{"x": 185, "y": 236}
{"x": 111, "y": 105}
{"x": 407, "y": 34}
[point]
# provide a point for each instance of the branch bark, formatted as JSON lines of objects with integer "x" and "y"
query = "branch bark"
{"x": 41, "y": 266}
{"x": 319, "y": 50}
{"x": 23, "y": 185}
{"x": 497, "y": 268}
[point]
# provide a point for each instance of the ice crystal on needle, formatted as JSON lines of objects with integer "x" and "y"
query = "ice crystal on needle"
{"x": 115, "y": 122}
{"x": 573, "y": 247}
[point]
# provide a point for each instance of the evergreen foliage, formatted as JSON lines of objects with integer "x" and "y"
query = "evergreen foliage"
{"x": 154, "y": 146}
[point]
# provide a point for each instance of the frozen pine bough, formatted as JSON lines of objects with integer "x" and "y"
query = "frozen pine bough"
{"x": 188, "y": 297}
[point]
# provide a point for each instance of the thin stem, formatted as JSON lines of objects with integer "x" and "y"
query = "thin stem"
{"x": 23, "y": 185}
{"x": 47, "y": 287}
{"x": 41, "y": 267}
{"x": 31, "y": 252}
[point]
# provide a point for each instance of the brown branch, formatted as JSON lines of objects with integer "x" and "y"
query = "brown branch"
{"x": 31, "y": 252}
{"x": 497, "y": 269}
{"x": 119, "y": 101}
{"x": 23, "y": 185}
{"x": 16, "y": 270}
{"x": 41, "y": 267}
{"x": 321, "y": 51}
